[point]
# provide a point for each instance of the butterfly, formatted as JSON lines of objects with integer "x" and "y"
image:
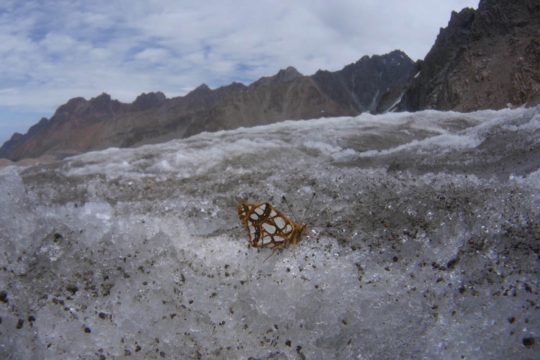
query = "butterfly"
{"x": 268, "y": 227}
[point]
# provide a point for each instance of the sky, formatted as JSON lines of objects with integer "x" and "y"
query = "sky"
{"x": 54, "y": 50}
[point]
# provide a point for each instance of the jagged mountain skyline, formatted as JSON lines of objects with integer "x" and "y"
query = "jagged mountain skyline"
{"x": 370, "y": 84}
{"x": 125, "y": 49}
{"x": 483, "y": 59}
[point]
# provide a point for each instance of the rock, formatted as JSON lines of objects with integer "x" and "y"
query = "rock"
{"x": 496, "y": 46}
{"x": 148, "y": 101}
{"x": 81, "y": 125}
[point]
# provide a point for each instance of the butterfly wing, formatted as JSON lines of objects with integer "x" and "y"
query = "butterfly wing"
{"x": 268, "y": 227}
{"x": 252, "y": 216}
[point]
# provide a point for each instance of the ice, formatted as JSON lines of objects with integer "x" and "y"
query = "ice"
{"x": 422, "y": 241}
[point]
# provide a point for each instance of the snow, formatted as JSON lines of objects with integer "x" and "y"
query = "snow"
{"x": 422, "y": 242}
{"x": 394, "y": 105}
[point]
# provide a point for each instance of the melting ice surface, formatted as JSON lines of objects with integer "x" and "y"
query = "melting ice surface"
{"x": 423, "y": 242}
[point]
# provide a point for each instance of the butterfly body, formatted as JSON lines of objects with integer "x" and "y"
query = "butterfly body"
{"x": 268, "y": 227}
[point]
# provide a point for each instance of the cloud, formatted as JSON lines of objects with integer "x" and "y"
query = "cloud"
{"x": 153, "y": 55}
{"x": 55, "y": 50}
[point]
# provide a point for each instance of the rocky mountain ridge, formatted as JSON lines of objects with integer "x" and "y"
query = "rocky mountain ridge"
{"x": 484, "y": 59}
{"x": 82, "y": 125}
{"x": 487, "y": 58}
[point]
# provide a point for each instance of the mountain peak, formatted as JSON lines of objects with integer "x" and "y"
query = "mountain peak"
{"x": 484, "y": 58}
{"x": 288, "y": 74}
{"x": 149, "y": 100}
{"x": 397, "y": 53}
{"x": 72, "y": 105}
{"x": 202, "y": 89}
{"x": 101, "y": 97}
{"x": 100, "y": 102}
{"x": 282, "y": 76}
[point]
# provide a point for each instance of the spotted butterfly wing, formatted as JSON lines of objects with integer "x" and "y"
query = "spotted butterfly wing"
{"x": 268, "y": 227}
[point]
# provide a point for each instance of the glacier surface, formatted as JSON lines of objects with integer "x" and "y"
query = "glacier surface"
{"x": 422, "y": 241}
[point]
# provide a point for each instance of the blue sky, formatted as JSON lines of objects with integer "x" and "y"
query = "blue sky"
{"x": 54, "y": 50}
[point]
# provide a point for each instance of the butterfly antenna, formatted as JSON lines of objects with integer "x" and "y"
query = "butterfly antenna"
{"x": 284, "y": 199}
{"x": 309, "y": 205}
{"x": 269, "y": 256}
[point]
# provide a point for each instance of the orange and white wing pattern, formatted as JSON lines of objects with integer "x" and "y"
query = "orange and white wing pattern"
{"x": 268, "y": 227}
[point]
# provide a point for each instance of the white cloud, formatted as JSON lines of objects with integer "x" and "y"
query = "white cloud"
{"x": 59, "y": 44}
{"x": 52, "y": 51}
{"x": 153, "y": 55}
